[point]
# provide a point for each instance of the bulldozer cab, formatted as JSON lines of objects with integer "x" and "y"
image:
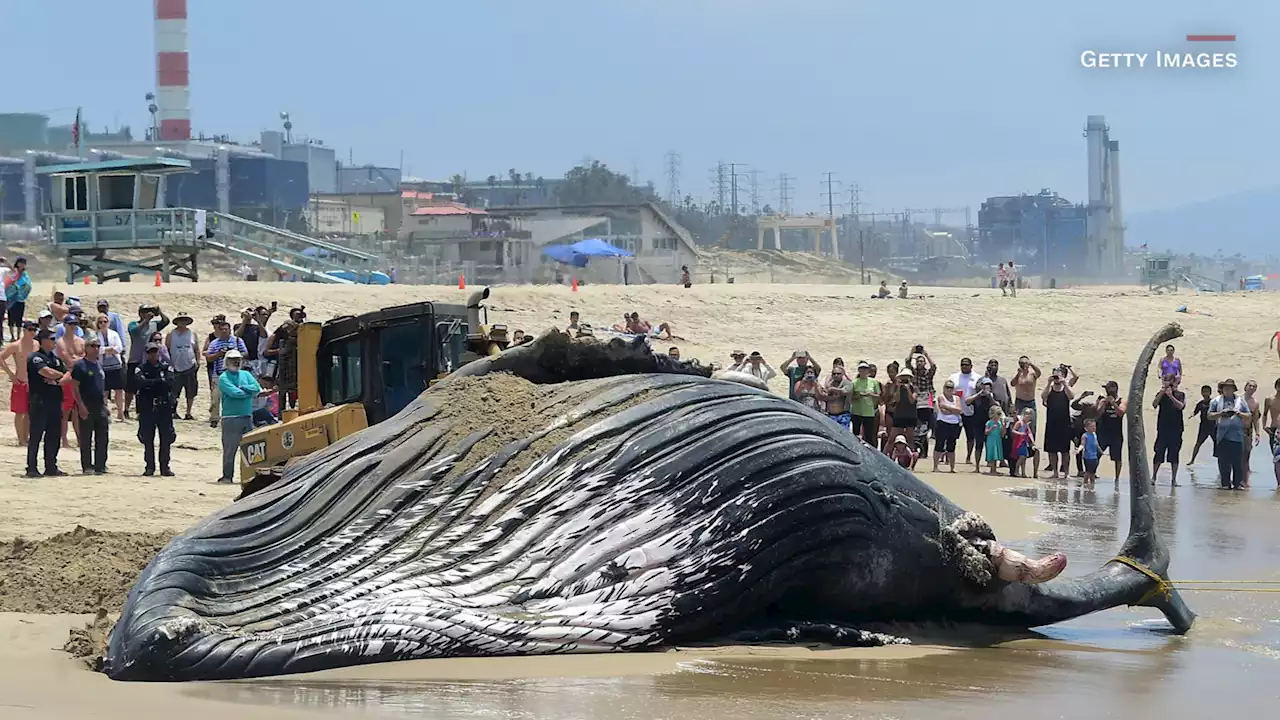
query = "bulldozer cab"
{"x": 385, "y": 359}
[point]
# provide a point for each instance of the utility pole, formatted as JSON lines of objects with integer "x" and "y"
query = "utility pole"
{"x": 784, "y": 193}
{"x": 831, "y": 213}
{"x": 733, "y": 187}
{"x": 830, "y": 194}
{"x": 673, "y": 179}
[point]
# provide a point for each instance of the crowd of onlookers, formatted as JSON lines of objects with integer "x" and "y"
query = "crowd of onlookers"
{"x": 999, "y": 418}
{"x": 72, "y": 369}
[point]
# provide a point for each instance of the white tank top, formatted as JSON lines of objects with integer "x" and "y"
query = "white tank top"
{"x": 182, "y": 354}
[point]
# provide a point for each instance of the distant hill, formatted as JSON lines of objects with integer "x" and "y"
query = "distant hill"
{"x": 1243, "y": 223}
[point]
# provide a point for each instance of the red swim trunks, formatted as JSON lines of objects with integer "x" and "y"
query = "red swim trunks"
{"x": 68, "y": 398}
{"x": 19, "y": 399}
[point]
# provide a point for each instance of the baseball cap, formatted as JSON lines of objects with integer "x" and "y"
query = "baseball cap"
{"x": 104, "y": 303}
{"x": 864, "y": 365}
{"x": 737, "y": 353}
{"x": 232, "y": 355}
{"x": 153, "y": 346}
{"x": 44, "y": 335}
{"x": 900, "y": 439}
{"x": 71, "y": 319}
{"x": 46, "y": 313}
{"x": 905, "y": 373}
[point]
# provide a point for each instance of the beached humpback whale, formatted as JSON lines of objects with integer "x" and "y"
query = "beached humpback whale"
{"x": 571, "y": 496}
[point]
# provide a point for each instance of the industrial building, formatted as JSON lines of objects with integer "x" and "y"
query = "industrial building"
{"x": 1043, "y": 233}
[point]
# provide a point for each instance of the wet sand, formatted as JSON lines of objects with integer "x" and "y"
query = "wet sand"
{"x": 40, "y": 680}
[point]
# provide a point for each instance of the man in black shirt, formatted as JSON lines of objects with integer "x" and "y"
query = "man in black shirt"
{"x": 89, "y": 387}
{"x": 45, "y": 374}
{"x": 154, "y": 380}
{"x": 1169, "y": 403}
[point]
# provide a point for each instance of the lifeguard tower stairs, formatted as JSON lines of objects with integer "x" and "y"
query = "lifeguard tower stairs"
{"x": 1160, "y": 274}
{"x": 110, "y": 221}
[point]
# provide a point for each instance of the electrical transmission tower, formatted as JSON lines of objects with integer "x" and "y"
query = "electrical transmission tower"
{"x": 755, "y": 192}
{"x": 719, "y": 184}
{"x": 673, "y": 179}
{"x": 784, "y": 193}
{"x": 854, "y": 200}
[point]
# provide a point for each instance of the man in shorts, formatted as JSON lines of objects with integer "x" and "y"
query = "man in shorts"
{"x": 17, "y": 353}
{"x": 184, "y": 351}
{"x": 1271, "y": 422}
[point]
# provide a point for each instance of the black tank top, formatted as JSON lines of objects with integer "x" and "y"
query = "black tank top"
{"x": 1058, "y": 408}
{"x": 1109, "y": 420}
{"x": 905, "y": 408}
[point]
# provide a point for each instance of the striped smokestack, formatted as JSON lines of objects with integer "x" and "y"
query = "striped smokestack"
{"x": 173, "y": 97}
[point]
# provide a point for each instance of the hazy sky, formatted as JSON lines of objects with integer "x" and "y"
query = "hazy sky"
{"x": 922, "y": 103}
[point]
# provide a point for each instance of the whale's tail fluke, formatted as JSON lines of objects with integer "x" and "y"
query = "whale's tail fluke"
{"x": 1143, "y": 550}
{"x": 1138, "y": 575}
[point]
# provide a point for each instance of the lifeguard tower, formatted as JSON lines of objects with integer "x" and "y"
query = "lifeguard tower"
{"x": 110, "y": 221}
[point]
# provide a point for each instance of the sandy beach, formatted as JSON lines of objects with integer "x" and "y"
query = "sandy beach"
{"x": 49, "y": 586}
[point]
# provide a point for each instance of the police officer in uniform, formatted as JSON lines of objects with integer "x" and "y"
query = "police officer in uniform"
{"x": 45, "y": 374}
{"x": 153, "y": 379}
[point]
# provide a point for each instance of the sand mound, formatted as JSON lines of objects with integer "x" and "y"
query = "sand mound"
{"x": 82, "y": 571}
{"x": 90, "y": 642}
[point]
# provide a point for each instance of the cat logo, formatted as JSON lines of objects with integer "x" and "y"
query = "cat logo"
{"x": 255, "y": 453}
{"x": 286, "y": 439}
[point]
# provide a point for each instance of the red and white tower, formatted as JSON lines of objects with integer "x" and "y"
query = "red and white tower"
{"x": 173, "y": 96}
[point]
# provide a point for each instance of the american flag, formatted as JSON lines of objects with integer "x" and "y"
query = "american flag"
{"x": 1143, "y": 246}
{"x": 75, "y": 130}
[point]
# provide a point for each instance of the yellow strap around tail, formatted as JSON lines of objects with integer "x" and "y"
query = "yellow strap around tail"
{"x": 1162, "y": 586}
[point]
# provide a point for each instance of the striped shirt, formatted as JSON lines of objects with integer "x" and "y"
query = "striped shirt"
{"x": 218, "y": 344}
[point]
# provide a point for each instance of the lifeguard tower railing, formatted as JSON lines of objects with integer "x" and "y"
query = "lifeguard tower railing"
{"x": 135, "y": 234}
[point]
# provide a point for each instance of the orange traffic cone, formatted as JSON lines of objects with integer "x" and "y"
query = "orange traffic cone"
{"x": 575, "y": 284}
{"x": 159, "y": 282}
{"x": 462, "y": 281}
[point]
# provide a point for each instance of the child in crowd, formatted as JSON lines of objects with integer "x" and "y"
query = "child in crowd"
{"x": 266, "y": 406}
{"x": 1022, "y": 441}
{"x": 994, "y": 439}
{"x": 1090, "y": 451}
{"x": 903, "y": 454}
{"x": 1205, "y": 431}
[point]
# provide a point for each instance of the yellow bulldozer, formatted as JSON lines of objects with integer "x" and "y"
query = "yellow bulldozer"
{"x": 356, "y": 371}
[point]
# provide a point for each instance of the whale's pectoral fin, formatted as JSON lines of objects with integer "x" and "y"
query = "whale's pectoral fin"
{"x": 808, "y": 632}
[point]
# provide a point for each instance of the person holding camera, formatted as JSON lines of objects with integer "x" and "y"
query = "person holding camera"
{"x": 1169, "y": 404}
{"x": 1057, "y": 397}
{"x": 1024, "y": 389}
{"x": 1111, "y": 410}
{"x": 1231, "y": 414}
{"x": 151, "y": 319}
